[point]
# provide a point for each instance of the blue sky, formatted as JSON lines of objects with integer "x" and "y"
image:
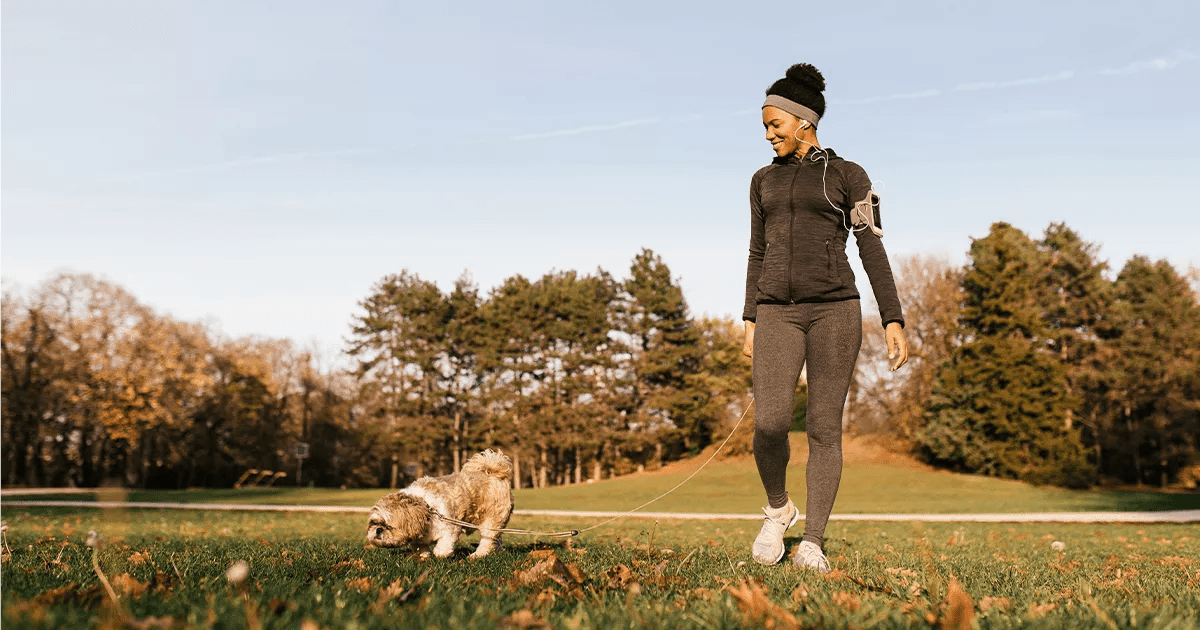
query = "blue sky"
{"x": 261, "y": 165}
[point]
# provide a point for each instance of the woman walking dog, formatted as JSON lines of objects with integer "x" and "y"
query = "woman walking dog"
{"x": 802, "y": 306}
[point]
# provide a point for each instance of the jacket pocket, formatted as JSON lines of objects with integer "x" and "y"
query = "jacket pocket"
{"x": 829, "y": 268}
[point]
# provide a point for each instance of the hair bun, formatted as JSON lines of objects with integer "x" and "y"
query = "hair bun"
{"x": 805, "y": 74}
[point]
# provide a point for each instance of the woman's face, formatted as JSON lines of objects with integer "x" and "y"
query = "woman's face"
{"x": 782, "y": 130}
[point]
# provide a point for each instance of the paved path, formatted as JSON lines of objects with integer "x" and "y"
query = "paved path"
{"x": 1171, "y": 516}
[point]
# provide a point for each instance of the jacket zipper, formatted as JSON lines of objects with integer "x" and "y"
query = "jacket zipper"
{"x": 828, "y": 260}
{"x": 791, "y": 224}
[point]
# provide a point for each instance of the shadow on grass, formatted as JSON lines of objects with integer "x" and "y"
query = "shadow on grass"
{"x": 1137, "y": 501}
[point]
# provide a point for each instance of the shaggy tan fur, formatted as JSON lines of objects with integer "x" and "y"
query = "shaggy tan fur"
{"x": 479, "y": 494}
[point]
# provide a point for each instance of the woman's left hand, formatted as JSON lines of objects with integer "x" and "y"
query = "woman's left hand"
{"x": 896, "y": 345}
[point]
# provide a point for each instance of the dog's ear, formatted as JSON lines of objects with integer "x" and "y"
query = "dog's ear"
{"x": 411, "y": 519}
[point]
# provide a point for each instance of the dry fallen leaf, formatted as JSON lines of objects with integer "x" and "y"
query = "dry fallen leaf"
{"x": 960, "y": 609}
{"x": 523, "y": 620}
{"x": 550, "y": 568}
{"x": 139, "y": 558}
{"x": 901, "y": 571}
{"x": 620, "y": 577}
{"x": 88, "y": 598}
{"x": 362, "y": 584}
{"x": 126, "y": 584}
{"x": 758, "y": 609}
{"x": 149, "y": 623}
{"x": 396, "y": 591}
{"x": 988, "y": 603}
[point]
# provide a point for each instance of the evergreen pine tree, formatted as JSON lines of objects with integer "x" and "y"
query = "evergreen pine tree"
{"x": 1077, "y": 305}
{"x": 666, "y": 350}
{"x": 1153, "y": 395}
{"x": 397, "y": 342}
{"x": 1000, "y": 405}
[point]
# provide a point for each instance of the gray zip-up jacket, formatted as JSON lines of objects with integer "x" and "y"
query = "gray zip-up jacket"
{"x": 798, "y": 238}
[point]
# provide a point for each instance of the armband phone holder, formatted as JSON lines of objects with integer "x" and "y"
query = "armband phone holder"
{"x": 866, "y": 214}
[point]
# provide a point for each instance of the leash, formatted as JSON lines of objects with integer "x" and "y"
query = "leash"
{"x": 507, "y": 530}
{"x": 575, "y": 532}
{"x": 680, "y": 484}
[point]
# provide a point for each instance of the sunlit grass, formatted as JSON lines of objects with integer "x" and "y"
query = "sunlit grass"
{"x": 315, "y": 567}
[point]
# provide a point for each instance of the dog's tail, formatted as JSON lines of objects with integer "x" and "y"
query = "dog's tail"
{"x": 492, "y": 463}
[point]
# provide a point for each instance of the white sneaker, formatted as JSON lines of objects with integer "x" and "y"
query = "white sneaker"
{"x": 768, "y": 546}
{"x": 809, "y": 556}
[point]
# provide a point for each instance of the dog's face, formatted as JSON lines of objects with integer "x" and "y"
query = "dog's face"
{"x": 397, "y": 520}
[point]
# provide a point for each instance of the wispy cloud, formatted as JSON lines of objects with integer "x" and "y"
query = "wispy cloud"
{"x": 1157, "y": 64}
{"x": 1033, "y": 116}
{"x": 637, "y": 122}
{"x": 888, "y": 97}
{"x": 996, "y": 85}
{"x": 233, "y": 164}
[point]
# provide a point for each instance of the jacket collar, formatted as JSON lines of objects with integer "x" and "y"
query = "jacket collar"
{"x": 813, "y": 152}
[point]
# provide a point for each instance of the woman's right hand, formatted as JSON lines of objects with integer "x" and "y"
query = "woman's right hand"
{"x": 748, "y": 346}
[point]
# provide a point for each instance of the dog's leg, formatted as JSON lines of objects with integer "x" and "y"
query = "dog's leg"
{"x": 489, "y": 539}
{"x": 446, "y": 541}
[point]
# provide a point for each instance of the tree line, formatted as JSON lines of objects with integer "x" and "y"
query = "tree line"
{"x": 1031, "y": 362}
{"x": 575, "y": 376}
{"x": 98, "y": 388}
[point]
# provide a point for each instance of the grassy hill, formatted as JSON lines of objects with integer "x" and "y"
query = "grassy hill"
{"x": 874, "y": 481}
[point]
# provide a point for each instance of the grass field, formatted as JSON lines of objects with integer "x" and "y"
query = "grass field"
{"x": 732, "y": 486}
{"x": 168, "y": 569}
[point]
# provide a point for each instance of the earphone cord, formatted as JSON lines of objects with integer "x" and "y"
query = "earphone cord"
{"x": 825, "y": 169}
{"x": 825, "y": 156}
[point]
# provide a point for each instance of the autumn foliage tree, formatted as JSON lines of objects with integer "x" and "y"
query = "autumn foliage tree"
{"x": 98, "y": 388}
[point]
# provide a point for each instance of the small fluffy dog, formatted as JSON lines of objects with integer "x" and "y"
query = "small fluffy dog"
{"x": 479, "y": 494}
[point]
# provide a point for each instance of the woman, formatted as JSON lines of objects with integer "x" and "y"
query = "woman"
{"x": 802, "y": 306}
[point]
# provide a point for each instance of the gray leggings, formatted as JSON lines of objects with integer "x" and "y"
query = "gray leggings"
{"x": 827, "y": 337}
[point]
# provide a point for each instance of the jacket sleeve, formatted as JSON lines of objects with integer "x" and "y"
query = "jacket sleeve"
{"x": 870, "y": 249}
{"x": 758, "y": 248}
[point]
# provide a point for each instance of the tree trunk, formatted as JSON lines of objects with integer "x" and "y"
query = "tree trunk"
{"x": 457, "y": 440}
{"x": 1136, "y": 442}
{"x": 542, "y": 469}
{"x": 578, "y": 466}
{"x": 597, "y": 463}
{"x": 1162, "y": 463}
{"x": 147, "y": 446}
{"x": 516, "y": 460}
{"x": 1095, "y": 427}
